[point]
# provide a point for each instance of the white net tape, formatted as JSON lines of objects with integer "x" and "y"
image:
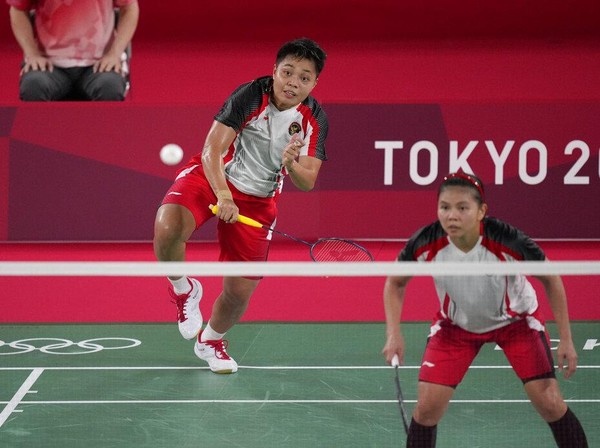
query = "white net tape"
{"x": 295, "y": 269}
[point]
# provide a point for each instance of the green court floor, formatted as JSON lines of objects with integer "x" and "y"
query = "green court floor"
{"x": 299, "y": 385}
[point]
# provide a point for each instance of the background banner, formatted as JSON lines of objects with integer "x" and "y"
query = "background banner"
{"x": 83, "y": 172}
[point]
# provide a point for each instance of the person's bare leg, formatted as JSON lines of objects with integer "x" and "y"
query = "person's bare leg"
{"x": 173, "y": 226}
{"x": 232, "y": 303}
{"x": 227, "y": 311}
{"x": 547, "y": 399}
{"x": 432, "y": 403}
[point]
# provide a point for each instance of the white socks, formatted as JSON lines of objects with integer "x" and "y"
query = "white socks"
{"x": 210, "y": 335}
{"x": 181, "y": 285}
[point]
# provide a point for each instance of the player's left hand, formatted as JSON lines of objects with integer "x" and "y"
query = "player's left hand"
{"x": 566, "y": 358}
{"x": 291, "y": 152}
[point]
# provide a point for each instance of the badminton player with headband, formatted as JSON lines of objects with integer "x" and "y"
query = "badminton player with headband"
{"x": 475, "y": 310}
{"x": 268, "y": 129}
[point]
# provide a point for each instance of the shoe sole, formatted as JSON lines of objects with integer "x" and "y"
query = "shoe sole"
{"x": 220, "y": 372}
{"x": 189, "y": 338}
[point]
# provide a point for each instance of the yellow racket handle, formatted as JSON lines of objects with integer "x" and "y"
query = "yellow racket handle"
{"x": 241, "y": 218}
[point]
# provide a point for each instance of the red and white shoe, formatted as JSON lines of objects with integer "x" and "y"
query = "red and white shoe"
{"x": 215, "y": 354}
{"x": 188, "y": 309}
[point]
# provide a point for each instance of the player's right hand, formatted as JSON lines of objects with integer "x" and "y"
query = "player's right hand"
{"x": 37, "y": 62}
{"x": 227, "y": 211}
{"x": 394, "y": 346}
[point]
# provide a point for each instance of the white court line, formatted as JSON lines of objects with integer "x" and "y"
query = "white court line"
{"x": 207, "y": 368}
{"x": 269, "y": 401}
{"x": 18, "y": 397}
{"x": 37, "y": 371}
{"x": 253, "y": 367}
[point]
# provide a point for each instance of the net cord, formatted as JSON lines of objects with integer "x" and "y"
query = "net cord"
{"x": 294, "y": 269}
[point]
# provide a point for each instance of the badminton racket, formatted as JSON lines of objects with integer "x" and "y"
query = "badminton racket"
{"x": 324, "y": 249}
{"x": 399, "y": 395}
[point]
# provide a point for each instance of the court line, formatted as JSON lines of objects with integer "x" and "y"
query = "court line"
{"x": 37, "y": 371}
{"x": 267, "y": 401}
{"x": 413, "y": 367}
{"x": 18, "y": 397}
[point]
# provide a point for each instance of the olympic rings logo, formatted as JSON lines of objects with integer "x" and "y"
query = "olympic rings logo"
{"x": 58, "y": 346}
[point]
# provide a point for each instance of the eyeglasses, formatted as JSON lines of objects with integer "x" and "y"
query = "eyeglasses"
{"x": 468, "y": 178}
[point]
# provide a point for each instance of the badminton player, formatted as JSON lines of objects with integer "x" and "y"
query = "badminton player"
{"x": 475, "y": 310}
{"x": 268, "y": 129}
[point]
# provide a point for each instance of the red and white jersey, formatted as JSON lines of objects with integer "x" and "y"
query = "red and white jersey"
{"x": 73, "y": 33}
{"x": 479, "y": 303}
{"x": 253, "y": 161}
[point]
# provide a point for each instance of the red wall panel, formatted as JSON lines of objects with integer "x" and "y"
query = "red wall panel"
{"x": 92, "y": 172}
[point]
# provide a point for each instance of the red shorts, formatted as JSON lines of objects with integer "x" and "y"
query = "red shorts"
{"x": 450, "y": 351}
{"x": 238, "y": 242}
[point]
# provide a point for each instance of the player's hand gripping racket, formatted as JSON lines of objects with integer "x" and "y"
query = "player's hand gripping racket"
{"x": 396, "y": 364}
{"x": 324, "y": 249}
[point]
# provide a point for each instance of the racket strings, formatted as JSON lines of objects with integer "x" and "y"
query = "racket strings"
{"x": 335, "y": 249}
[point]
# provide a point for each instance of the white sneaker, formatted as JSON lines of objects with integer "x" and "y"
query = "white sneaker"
{"x": 188, "y": 309}
{"x": 213, "y": 352}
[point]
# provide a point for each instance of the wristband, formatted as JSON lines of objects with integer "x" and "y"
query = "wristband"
{"x": 224, "y": 194}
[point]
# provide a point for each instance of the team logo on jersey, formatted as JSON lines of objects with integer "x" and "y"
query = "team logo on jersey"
{"x": 294, "y": 128}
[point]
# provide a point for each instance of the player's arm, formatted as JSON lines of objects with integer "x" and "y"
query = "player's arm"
{"x": 23, "y": 32}
{"x": 217, "y": 142}
{"x": 303, "y": 170}
{"x": 128, "y": 20}
{"x": 555, "y": 291}
{"x": 393, "y": 300}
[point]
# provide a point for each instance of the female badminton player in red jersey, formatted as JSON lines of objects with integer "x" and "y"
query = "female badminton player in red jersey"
{"x": 267, "y": 129}
{"x": 475, "y": 310}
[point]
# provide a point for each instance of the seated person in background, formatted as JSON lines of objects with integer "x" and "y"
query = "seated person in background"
{"x": 72, "y": 49}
